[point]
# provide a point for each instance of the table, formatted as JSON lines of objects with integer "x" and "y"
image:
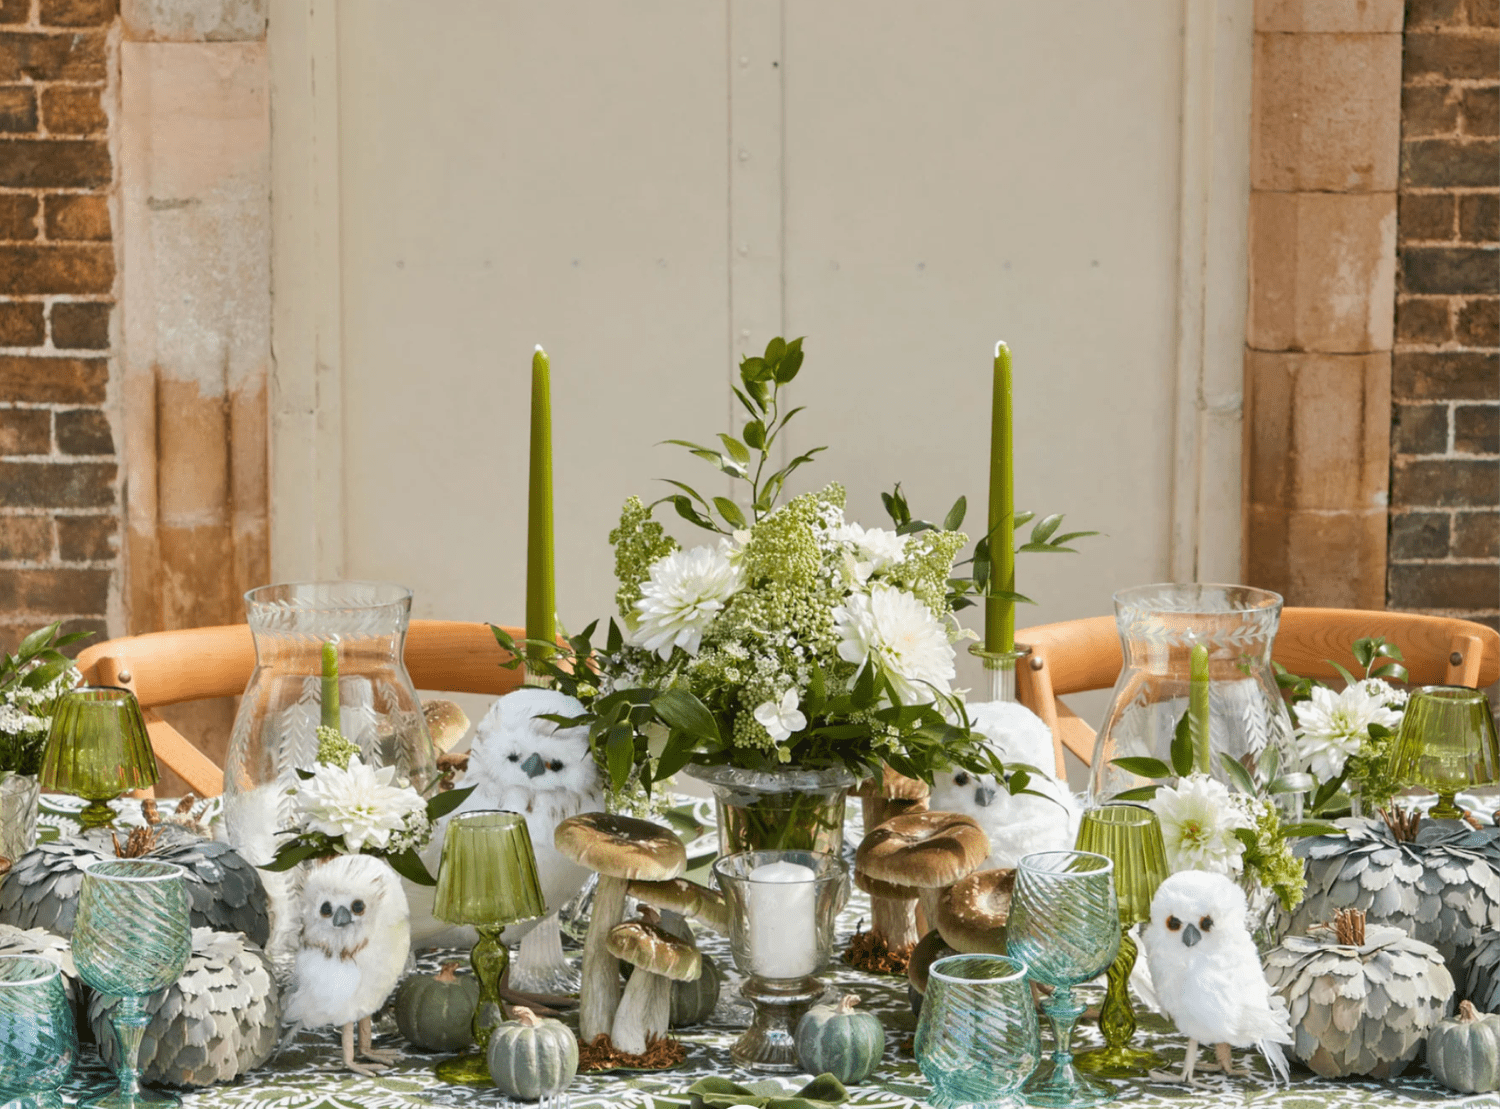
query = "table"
{"x": 307, "y": 1073}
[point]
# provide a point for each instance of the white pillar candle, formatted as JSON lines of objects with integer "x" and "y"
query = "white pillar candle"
{"x": 783, "y": 929}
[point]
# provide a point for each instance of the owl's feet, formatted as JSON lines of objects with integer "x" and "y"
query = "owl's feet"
{"x": 369, "y": 1070}
{"x": 1189, "y": 1062}
{"x": 1223, "y": 1053}
{"x": 367, "y": 1049}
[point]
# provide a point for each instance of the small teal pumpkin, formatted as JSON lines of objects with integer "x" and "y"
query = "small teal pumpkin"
{"x": 836, "y": 1040}
{"x": 436, "y": 1012}
{"x": 694, "y": 1000}
{"x": 1464, "y": 1053}
{"x": 530, "y": 1057}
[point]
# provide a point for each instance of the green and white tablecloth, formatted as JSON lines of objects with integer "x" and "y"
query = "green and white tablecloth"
{"x": 307, "y": 1074}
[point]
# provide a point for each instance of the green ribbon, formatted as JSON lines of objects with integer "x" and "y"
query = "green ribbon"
{"x": 720, "y": 1093}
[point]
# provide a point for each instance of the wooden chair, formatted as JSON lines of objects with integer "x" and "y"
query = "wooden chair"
{"x": 168, "y": 668}
{"x": 1081, "y": 655}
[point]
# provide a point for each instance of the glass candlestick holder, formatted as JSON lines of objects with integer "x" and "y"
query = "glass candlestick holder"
{"x": 1446, "y": 743}
{"x": 1000, "y": 669}
{"x": 782, "y": 908}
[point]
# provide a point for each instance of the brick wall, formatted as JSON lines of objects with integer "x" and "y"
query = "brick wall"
{"x": 1445, "y": 435}
{"x": 59, "y": 502}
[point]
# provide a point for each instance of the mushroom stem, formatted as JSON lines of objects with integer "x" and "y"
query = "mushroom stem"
{"x": 643, "y": 1013}
{"x": 894, "y": 921}
{"x": 599, "y": 991}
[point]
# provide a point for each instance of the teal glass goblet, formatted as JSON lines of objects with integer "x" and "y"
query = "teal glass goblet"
{"x": 977, "y": 1037}
{"x": 38, "y": 1035}
{"x": 131, "y": 937}
{"x": 1065, "y": 926}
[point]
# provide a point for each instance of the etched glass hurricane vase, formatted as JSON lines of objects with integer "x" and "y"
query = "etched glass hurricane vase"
{"x": 1159, "y": 626}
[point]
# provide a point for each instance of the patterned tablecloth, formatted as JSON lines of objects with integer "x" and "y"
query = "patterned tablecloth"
{"x": 307, "y": 1074}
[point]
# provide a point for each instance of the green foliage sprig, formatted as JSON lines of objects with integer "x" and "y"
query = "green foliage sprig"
{"x": 30, "y": 686}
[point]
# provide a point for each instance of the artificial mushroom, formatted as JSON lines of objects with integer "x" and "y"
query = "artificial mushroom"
{"x": 660, "y": 959}
{"x": 973, "y": 912}
{"x": 619, "y": 849}
{"x": 678, "y": 895}
{"x": 927, "y": 851}
{"x": 446, "y": 724}
{"x": 893, "y": 915}
{"x": 930, "y": 948}
{"x": 890, "y": 794}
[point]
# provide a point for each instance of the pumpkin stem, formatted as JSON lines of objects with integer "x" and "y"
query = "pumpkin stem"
{"x": 140, "y": 842}
{"x": 524, "y": 1015}
{"x": 448, "y": 972}
{"x": 847, "y": 1003}
{"x": 1402, "y": 823}
{"x": 1467, "y": 1013}
{"x": 1349, "y": 927}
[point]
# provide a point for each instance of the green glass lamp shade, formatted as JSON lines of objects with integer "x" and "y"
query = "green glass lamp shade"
{"x": 1446, "y": 743}
{"x": 487, "y": 877}
{"x": 98, "y": 748}
{"x": 1130, "y": 837}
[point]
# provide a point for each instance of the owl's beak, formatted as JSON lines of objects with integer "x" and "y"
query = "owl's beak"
{"x": 534, "y": 766}
{"x": 341, "y": 917}
{"x": 1190, "y": 935}
{"x": 984, "y": 795}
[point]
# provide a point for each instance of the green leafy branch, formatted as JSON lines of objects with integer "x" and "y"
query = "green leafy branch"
{"x": 759, "y": 392}
{"x": 1045, "y": 539}
{"x": 39, "y": 660}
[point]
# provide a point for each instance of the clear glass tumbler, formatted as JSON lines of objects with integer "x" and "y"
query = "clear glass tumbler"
{"x": 977, "y": 1038}
{"x": 38, "y": 1035}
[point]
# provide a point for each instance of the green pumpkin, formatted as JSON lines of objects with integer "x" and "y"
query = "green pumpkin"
{"x": 436, "y": 1011}
{"x": 1464, "y": 1053}
{"x": 530, "y": 1057}
{"x": 694, "y": 1000}
{"x": 836, "y": 1040}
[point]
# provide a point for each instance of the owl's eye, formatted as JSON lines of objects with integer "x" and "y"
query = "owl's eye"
{"x": 1205, "y": 924}
{"x": 961, "y": 779}
{"x": 1173, "y": 924}
{"x": 555, "y": 765}
{"x": 514, "y": 758}
{"x": 325, "y": 909}
{"x": 357, "y": 907}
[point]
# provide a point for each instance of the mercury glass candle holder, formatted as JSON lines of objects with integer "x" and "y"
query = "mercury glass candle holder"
{"x": 782, "y": 909}
{"x": 1065, "y": 926}
{"x": 38, "y": 1034}
{"x": 487, "y": 878}
{"x": 131, "y": 937}
{"x": 1446, "y": 743}
{"x": 1130, "y": 837}
{"x": 98, "y": 749}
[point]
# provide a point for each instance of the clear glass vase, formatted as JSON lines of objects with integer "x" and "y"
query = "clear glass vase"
{"x": 275, "y": 730}
{"x": 18, "y": 805}
{"x": 777, "y": 810}
{"x": 1160, "y": 625}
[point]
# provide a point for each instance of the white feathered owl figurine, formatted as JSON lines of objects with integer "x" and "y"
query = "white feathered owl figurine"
{"x": 1207, "y": 974}
{"x": 528, "y": 765}
{"x": 356, "y": 937}
{"x": 1015, "y": 825}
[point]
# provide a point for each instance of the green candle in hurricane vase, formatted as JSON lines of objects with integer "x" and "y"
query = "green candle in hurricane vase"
{"x": 541, "y": 602}
{"x": 1198, "y": 707}
{"x": 1000, "y": 611}
{"x": 330, "y": 707}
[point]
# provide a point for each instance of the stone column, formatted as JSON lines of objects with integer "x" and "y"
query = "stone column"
{"x": 1324, "y": 161}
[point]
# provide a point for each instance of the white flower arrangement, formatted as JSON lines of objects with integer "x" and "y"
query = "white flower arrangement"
{"x": 1332, "y": 726}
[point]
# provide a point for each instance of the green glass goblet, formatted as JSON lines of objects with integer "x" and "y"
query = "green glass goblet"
{"x": 1130, "y": 837}
{"x": 131, "y": 937}
{"x": 1065, "y": 926}
{"x": 38, "y": 1035}
{"x": 977, "y": 1038}
{"x": 1446, "y": 743}
{"x": 98, "y": 749}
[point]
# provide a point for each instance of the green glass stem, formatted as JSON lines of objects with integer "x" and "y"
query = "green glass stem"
{"x": 96, "y": 814}
{"x": 1116, "y": 1059}
{"x": 489, "y": 960}
{"x": 1446, "y": 808}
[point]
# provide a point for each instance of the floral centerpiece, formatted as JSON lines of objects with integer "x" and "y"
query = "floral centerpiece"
{"x": 795, "y": 642}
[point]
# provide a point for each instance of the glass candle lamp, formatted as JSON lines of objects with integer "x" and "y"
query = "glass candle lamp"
{"x": 1130, "y": 837}
{"x": 98, "y": 749}
{"x": 1446, "y": 743}
{"x": 782, "y": 908}
{"x": 487, "y": 878}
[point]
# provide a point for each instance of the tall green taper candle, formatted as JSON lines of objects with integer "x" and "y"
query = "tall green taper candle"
{"x": 1000, "y": 612}
{"x": 330, "y": 713}
{"x": 1198, "y": 706}
{"x": 541, "y": 602}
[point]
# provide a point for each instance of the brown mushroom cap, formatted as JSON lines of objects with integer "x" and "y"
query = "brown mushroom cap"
{"x": 889, "y": 890}
{"x": 893, "y": 787}
{"x": 621, "y": 846}
{"x": 930, "y": 948}
{"x": 688, "y": 898}
{"x": 446, "y": 723}
{"x": 972, "y": 913}
{"x": 928, "y": 850}
{"x": 651, "y": 949}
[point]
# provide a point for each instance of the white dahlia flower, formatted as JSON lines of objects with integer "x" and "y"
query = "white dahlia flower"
{"x": 687, "y": 589}
{"x": 903, "y": 637}
{"x": 1198, "y": 819}
{"x": 1331, "y": 726}
{"x": 360, "y": 804}
{"x": 874, "y": 548}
